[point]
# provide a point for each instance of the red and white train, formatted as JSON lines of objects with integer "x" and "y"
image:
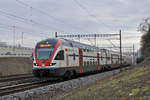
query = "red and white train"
{"x": 62, "y": 57}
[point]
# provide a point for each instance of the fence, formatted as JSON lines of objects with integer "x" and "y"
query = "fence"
{"x": 11, "y": 51}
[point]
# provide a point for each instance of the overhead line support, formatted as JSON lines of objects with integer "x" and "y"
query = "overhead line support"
{"x": 120, "y": 49}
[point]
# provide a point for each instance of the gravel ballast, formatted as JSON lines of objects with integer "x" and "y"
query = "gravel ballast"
{"x": 51, "y": 91}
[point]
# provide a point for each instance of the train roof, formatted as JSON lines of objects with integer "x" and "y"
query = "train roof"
{"x": 78, "y": 44}
{"x": 71, "y": 43}
{"x": 84, "y": 46}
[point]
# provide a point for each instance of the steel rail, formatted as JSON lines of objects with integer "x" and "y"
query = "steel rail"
{"x": 21, "y": 87}
{"x": 16, "y": 77}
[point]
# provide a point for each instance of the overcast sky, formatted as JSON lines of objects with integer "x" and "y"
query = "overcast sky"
{"x": 40, "y": 19}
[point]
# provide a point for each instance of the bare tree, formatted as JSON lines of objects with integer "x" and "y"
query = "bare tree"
{"x": 144, "y": 27}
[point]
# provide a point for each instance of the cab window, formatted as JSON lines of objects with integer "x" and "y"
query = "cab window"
{"x": 60, "y": 55}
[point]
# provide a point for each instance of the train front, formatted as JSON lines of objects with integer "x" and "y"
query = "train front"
{"x": 43, "y": 57}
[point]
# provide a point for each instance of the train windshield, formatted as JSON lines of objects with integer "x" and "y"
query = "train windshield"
{"x": 44, "y": 53}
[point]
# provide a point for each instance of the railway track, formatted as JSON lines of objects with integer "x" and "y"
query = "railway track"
{"x": 6, "y": 90}
{"x": 21, "y": 87}
{"x": 15, "y": 77}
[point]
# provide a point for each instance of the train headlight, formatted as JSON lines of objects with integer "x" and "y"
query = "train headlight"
{"x": 51, "y": 64}
{"x": 35, "y": 64}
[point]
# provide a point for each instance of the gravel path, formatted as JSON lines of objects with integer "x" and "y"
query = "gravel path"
{"x": 51, "y": 91}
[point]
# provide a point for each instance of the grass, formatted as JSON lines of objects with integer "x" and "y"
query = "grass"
{"x": 134, "y": 92}
{"x": 146, "y": 88}
{"x": 133, "y": 84}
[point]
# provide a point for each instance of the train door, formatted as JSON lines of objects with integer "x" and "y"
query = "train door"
{"x": 98, "y": 62}
{"x": 81, "y": 61}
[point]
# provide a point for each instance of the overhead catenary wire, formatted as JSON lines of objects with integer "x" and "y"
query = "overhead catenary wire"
{"x": 6, "y": 28}
{"x": 88, "y": 36}
{"x": 16, "y": 19}
{"x": 112, "y": 43}
{"x": 25, "y": 20}
{"x": 10, "y": 28}
{"x": 49, "y": 16}
{"x": 19, "y": 27}
{"x": 92, "y": 15}
{"x": 30, "y": 21}
{"x": 27, "y": 5}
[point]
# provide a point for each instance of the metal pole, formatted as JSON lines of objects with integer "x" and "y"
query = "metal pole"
{"x": 120, "y": 50}
{"x": 14, "y": 38}
{"x": 95, "y": 39}
{"x": 22, "y": 38}
{"x": 79, "y": 37}
{"x": 133, "y": 56}
{"x": 56, "y": 34}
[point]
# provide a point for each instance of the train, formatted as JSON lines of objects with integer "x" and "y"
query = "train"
{"x": 55, "y": 57}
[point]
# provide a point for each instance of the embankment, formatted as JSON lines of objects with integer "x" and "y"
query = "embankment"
{"x": 133, "y": 84}
{"x": 15, "y": 65}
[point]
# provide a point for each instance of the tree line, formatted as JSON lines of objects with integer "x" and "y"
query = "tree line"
{"x": 144, "y": 27}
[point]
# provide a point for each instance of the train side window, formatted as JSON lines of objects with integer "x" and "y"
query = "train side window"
{"x": 91, "y": 63}
{"x": 101, "y": 58}
{"x": 60, "y": 55}
{"x": 88, "y": 63}
{"x": 108, "y": 58}
{"x": 74, "y": 56}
